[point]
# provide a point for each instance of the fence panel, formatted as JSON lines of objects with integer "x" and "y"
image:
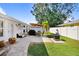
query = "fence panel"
{"x": 72, "y": 32}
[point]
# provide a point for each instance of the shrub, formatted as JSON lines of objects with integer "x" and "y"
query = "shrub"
{"x": 12, "y": 40}
{"x": 2, "y": 44}
{"x": 48, "y": 33}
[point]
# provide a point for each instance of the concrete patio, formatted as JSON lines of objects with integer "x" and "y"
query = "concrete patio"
{"x": 21, "y": 46}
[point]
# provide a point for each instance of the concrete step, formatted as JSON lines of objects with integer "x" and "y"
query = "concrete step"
{"x": 3, "y": 50}
{"x": 56, "y": 41}
{"x": 46, "y": 39}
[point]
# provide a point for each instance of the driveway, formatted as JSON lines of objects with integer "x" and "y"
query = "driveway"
{"x": 21, "y": 46}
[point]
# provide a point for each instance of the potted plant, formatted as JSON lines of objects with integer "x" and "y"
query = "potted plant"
{"x": 12, "y": 40}
{"x": 2, "y": 44}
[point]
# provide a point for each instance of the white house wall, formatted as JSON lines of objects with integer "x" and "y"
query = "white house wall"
{"x": 6, "y": 30}
{"x": 3, "y": 37}
{"x": 10, "y": 29}
{"x": 72, "y": 32}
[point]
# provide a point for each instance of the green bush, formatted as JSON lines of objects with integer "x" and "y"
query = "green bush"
{"x": 48, "y": 33}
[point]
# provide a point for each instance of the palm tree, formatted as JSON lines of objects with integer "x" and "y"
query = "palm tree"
{"x": 45, "y": 25}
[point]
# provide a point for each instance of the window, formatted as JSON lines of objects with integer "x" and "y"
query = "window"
{"x": 24, "y": 31}
{"x": 24, "y": 26}
{"x": 1, "y": 28}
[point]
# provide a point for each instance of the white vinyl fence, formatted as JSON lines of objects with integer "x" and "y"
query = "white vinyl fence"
{"x": 72, "y": 32}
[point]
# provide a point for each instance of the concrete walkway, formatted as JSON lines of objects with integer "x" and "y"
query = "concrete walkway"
{"x": 45, "y": 39}
{"x": 21, "y": 46}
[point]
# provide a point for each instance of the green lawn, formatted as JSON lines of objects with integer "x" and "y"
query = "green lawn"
{"x": 37, "y": 49}
{"x": 69, "y": 48}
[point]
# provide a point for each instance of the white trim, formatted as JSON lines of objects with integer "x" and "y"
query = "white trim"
{"x": 11, "y": 19}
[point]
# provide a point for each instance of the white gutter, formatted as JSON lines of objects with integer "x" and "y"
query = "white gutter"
{"x": 11, "y": 18}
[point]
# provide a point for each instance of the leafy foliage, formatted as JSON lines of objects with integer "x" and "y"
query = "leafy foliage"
{"x": 55, "y": 13}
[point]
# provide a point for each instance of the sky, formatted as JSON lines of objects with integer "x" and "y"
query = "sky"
{"x": 21, "y": 11}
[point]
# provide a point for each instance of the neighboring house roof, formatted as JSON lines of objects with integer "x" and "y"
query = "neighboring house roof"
{"x": 73, "y": 22}
{"x": 35, "y": 25}
{"x": 11, "y": 19}
{"x": 67, "y": 21}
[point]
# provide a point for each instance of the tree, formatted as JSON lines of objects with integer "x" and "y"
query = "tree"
{"x": 39, "y": 12}
{"x": 45, "y": 25}
{"x": 54, "y": 13}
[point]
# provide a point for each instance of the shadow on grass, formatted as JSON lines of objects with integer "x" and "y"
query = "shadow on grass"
{"x": 37, "y": 49}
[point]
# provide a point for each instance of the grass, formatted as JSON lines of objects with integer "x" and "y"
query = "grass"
{"x": 69, "y": 48}
{"x": 48, "y": 33}
{"x": 37, "y": 49}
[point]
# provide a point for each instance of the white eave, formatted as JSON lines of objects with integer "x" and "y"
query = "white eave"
{"x": 11, "y": 19}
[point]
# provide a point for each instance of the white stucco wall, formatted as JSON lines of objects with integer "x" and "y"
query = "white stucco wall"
{"x": 72, "y": 32}
{"x": 10, "y": 29}
{"x": 7, "y": 33}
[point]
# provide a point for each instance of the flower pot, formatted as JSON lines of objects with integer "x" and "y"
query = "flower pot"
{"x": 12, "y": 40}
